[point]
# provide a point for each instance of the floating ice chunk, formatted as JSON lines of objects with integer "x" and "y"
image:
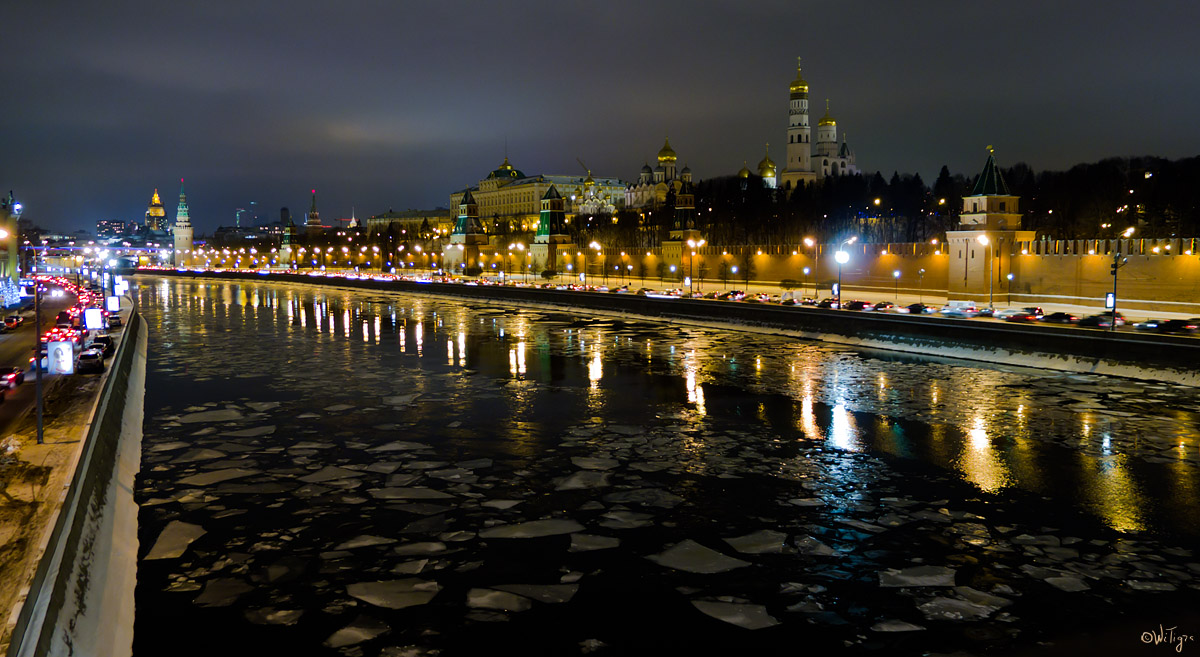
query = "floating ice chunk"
{"x": 893, "y": 625}
{"x": 252, "y": 432}
{"x": 397, "y": 446}
{"x": 760, "y": 542}
{"x": 589, "y": 646}
{"x": 401, "y": 400}
{"x": 169, "y": 446}
{"x": 424, "y": 547}
{"x": 363, "y": 628}
{"x": 812, "y": 547}
{"x": 626, "y": 430}
{"x": 500, "y": 504}
{"x": 690, "y": 556}
{"x": 626, "y": 520}
{"x": 216, "y": 476}
{"x": 1069, "y": 584}
{"x": 411, "y": 567}
{"x": 532, "y": 529}
{"x": 646, "y": 497}
{"x": 917, "y": 576}
{"x": 366, "y": 540}
{"x": 401, "y": 480}
{"x": 864, "y": 526}
{"x": 329, "y": 473}
{"x": 650, "y": 466}
{"x": 954, "y": 609}
{"x": 1140, "y": 585}
{"x": 751, "y": 617}
{"x": 262, "y": 407}
{"x": 581, "y": 480}
{"x": 307, "y": 416}
{"x": 499, "y": 600}
{"x": 589, "y": 542}
{"x": 475, "y": 464}
{"x": 222, "y": 592}
{"x": 591, "y": 463}
{"x": 982, "y": 598}
{"x": 807, "y": 501}
{"x": 396, "y": 593}
{"x": 200, "y": 455}
{"x": 547, "y": 593}
{"x": 414, "y": 493}
{"x": 174, "y": 540}
{"x": 222, "y": 415}
{"x": 338, "y": 407}
{"x": 272, "y": 616}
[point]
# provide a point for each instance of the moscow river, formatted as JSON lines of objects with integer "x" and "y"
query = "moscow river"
{"x": 361, "y": 473}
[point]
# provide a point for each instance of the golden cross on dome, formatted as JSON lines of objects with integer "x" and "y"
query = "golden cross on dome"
{"x": 990, "y": 149}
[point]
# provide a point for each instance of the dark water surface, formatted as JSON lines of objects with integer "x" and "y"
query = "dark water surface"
{"x": 335, "y": 472}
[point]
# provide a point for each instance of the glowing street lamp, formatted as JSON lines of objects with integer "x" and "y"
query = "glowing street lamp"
{"x": 692, "y": 244}
{"x": 896, "y": 275}
{"x": 842, "y": 257}
{"x": 983, "y": 239}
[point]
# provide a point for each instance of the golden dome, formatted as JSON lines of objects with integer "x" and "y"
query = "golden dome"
{"x": 155, "y": 200}
{"x": 799, "y": 85}
{"x": 766, "y": 168}
{"x": 744, "y": 173}
{"x": 828, "y": 118}
{"x": 667, "y": 154}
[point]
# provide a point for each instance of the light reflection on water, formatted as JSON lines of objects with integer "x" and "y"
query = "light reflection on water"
{"x": 991, "y": 426}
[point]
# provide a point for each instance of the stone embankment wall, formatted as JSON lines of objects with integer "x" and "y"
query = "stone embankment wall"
{"x": 80, "y": 600}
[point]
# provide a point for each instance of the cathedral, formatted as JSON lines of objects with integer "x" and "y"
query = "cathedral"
{"x": 654, "y": 186}
{"x": 804, "y": 165}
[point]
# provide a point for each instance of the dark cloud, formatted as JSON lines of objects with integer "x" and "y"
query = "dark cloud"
{"x": 385, "y": 104}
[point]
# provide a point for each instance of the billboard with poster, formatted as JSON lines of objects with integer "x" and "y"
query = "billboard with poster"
{"x": 61, "y": 357}
{"x": 93, "y": 319}
{"x": 113, "y": 304}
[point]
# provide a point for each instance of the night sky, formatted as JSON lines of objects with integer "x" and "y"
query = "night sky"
{"x": 388, "y": 104}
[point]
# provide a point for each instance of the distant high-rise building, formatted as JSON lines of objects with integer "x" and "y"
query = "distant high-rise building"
{"x": 156, "y": 215}
{"x": 183, "y": 230}
{"x": 110, "y": 228}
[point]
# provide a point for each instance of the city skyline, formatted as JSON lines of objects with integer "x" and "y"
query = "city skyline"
{"x": 378, "y": 108}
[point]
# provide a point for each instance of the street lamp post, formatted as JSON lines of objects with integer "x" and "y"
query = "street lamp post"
{"x": 983, "y": 239}
{"x": 812, "y": 244}
{"x": 842, "y": 257}
{"x": 1118, "y": 262}
{"x": 805, "y": 286}
{"x": 896, "y": 275}
{"x": 921, "y": 286}
{"x": 692, "y": 244}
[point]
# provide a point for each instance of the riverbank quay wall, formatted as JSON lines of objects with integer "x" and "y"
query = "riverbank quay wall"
{"x": 1158, "y": 275}
{"x": 1135, "y": 355}
{"x": 80, "y": 600}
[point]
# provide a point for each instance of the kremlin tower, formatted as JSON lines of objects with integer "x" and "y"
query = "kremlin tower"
{"x": 183, "y": 229}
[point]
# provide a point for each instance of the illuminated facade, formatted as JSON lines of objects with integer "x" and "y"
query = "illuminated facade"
{"x": 655, "y": 186}
{"x": 182, "y": 230}
{"x": 412, "y": 224}
{"x": 510, "y": 201}
{"x": 803, "y": 164}
{"x": 156, "y": 215}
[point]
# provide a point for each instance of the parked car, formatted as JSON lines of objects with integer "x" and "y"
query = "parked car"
{"x": 13, "y": 321}
{"x": 1101, "y": 320}
{"x": 1060, "y": 318}
{"x": 90, "y": 360}
{"x": 12, "y": 376}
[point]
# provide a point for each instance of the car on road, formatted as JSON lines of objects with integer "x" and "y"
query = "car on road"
{"x": 90, "y": 360}
{"x": 13, "y": 321}
{"x": 1101, "y": 320}
{"x": 885, "y": 306}
{"x": 104, "y": 343}
{"x": 12, "y": 376}
{"x": 114, "y": 320}
{"x": 1024, "y": 315}
{"x": 1060, "y": 318}
{"x": 920, "y": 309}
{"x": 856, "y": 304}
{"x": 828, "y": 302}
{"x": 1169, "y": 325}
{"x": 959, "y": 311}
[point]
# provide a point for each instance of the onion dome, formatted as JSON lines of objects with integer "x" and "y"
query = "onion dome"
{"x": 744, "y": 173}
{"x": 667, "y": 154}
{"x": 685, "y": 171}
{"x": 799, "y": 85}
{"x": 589, "y": 181}
{"x": 828, "y": 118}
{"x": 646, "y": 168}
{"x": 766, "y": 168}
